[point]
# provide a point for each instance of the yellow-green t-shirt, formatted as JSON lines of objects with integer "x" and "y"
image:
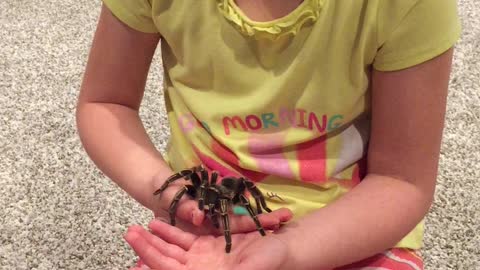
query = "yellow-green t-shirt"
{"x": 285, "y": 103}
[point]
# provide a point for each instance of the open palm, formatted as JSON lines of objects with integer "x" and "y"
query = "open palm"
{"x": 169, "y": 248}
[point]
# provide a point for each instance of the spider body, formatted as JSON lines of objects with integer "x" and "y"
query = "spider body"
{"x": 216, "y": 198}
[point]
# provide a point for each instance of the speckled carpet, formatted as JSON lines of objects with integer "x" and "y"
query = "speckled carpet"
{"x": 58, "y": 212}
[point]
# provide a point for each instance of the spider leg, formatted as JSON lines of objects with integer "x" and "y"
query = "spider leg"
{"x": 259, "y": 205}
{"x": 201, "y": 199}
{"x": 174, "y": 205}
{"x": 213, "y": 215}
{"x": 213, "y": 178}
{"x": 226, "y": 224}
{"x": 257, "y": 194}
{"x": 182, "y": 174}
{"x": 247, "y": 205}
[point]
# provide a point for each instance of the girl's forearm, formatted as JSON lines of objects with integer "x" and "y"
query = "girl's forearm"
{"x": 371, "y": 218}
{"x": 115, "y": 139}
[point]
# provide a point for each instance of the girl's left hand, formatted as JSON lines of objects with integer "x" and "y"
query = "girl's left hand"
{"x": 169, "y": 248}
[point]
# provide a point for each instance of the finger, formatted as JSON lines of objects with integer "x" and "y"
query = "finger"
{"x": 172, "y": 234}
{"x": 239, "y": 224}
{"x": 187, "y": 209}
{"x": 163, "y": 247}
{"x": 149, "y": 254}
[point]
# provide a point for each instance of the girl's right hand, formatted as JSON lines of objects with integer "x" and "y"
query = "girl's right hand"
{"x": 191, "y": 219}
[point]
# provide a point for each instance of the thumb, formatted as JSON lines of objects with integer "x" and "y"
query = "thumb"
{"x": 188, "y": 211}
{"x": 181, "y": 206}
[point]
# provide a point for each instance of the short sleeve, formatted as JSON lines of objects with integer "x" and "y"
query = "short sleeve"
{"x": 427, "y": 29}
{"x": 135, "y": 13}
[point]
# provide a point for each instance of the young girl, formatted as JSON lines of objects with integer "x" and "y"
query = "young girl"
{"x": 334, "y": 108}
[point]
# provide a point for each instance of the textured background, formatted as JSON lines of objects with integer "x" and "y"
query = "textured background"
{"x": 58, "y": 212}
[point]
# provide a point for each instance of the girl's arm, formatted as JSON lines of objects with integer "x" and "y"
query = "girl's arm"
{"x": 107, "y": 112}
{"x": 408, "y": 109}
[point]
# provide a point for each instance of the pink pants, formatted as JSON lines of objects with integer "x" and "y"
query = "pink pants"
{"x": 392, "y": 259}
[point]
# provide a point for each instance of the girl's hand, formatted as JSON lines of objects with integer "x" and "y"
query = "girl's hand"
{"x": 191, "y": 219}
{"x": 170, "y": 248}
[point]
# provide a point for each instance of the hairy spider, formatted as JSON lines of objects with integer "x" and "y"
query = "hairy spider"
{"x": 216, "y": 198}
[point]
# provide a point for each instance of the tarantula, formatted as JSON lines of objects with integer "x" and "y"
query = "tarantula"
{"x": 216, "y": 198}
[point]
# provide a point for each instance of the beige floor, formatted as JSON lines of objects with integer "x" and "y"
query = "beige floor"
{"x": 58, "y": 212}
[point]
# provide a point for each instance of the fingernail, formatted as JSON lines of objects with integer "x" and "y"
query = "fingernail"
{"x": 239, "y": 210}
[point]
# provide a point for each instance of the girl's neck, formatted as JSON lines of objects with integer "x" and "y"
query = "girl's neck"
{"x": 267, "y": 10}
